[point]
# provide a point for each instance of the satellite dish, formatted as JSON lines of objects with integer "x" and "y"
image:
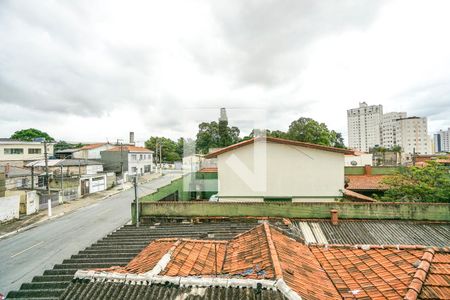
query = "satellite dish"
{"x": 353, "y": 163}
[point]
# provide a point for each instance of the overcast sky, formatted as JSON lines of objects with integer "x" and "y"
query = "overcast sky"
{"x": 95, "y": 70}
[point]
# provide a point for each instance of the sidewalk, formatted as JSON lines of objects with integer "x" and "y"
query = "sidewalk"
{"x": 27, "y": 222}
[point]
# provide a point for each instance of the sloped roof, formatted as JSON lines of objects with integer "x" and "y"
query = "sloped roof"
{"x": 267, "y": 257}
{"x": 92, "y": 146}
{"x": 357, "y": 196}
{"x": 278, "y": 141}
{"x": 366, "y": 182}
{"x": 128, "y": 148}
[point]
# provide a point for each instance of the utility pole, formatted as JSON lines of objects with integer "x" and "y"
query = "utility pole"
{"x": 414, "y": 156}
{"x": 62, "y": 184}
{"x": 160, "y": 158}
{"x": 121, "y": 163}
{"x": 136, "y": 199}
{"x": 32, "y": 177}
{"x": 49, "y": 201}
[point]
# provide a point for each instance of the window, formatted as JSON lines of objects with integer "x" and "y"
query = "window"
{"x": 147, "y": 168}
{"x": 133, "y": 170}
{"x": 133, "y": 157}
{"x": 34, "y": 151}
{"x": 140, "y": 157}
{"x": 13, "y": 151}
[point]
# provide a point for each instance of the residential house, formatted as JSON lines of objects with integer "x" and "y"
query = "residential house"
{"x": 78, "y": 176}
{"x": 91, "y": 151}
{"x": 273, "y": 169}
{"x": 128, "y": 159}
{"x": 19, "y": 153}
{"x": 19, "y": 177}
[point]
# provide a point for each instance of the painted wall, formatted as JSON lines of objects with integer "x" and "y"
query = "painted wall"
{"x": 92, "y": 153}
{"x": 9, "y": 208}
{"x": 292, "y": 171}
{"x": 361, "y": 160}
{"x": 321, "y": 210}
{"x": 139, "y": 161}
{"x": 5, "y": 158}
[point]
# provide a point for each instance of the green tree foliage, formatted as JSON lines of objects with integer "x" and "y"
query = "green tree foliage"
{"x": 31, "y": 133}
{"x": 311, "y": 131}
{"x": 170, "y": 149}
{"x": 62, "y": 145}
{"x": 215, "y": 135}
{"x": 430, "y": 183}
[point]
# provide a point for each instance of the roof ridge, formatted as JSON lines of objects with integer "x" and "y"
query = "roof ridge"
{"x": 378, "y": 247}
{"x": 415, "y": 287}
{"x": 273, "y": 252}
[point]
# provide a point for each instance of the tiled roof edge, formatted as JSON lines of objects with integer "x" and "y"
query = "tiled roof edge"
{"x": 415, "y": 287}
{"x": 142, "y": 279}
{"x": 273, "y": 252}
{"x": 368, "y": 247}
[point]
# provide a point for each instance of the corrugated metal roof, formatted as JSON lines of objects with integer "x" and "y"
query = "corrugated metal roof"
{"x": 375, "y": 232}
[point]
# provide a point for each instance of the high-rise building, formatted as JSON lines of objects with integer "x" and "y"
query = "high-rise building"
{"x": 442, "y": 141}
{"x": 390, "y": 129}
{"x": 364, "y": 126}
{"x": 412, "y": 135}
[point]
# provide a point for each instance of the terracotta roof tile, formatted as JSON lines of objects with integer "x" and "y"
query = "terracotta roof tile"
{"x": 375, "y": 273}
{"x": 366, "y": 182}
{"x": 92, "y": 146}
{"x": 437, "y": 283}
{"x": 129, "y": 149}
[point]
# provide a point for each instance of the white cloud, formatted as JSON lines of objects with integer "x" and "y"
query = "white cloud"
{"x": 92, "y": 70}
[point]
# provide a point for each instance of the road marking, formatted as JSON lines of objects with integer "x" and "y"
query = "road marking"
{"x": 26, "y": 249}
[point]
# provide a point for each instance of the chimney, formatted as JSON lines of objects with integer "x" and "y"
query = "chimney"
{"x": 334, "y": 217}
{"x": 131, "y": 137}
{"x": 368, "y": 170}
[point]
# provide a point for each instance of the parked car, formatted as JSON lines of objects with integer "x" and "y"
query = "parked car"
{"x": 214, "y": 198}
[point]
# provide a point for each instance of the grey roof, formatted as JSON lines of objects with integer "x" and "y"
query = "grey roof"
{"x": 68, "y": 150}
{"x": 109, "y": 290}
{"x": 64, "y": 162}
{"x": 117, "y": 249}
{"x": 386, "y": 232}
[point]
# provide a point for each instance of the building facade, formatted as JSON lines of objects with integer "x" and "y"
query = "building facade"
{"x": 288, "y": 171}
{"x": 131, "y": 159}
{"x": 18, "y": 153}
{"x": 390, "y": 129}
{"x": 441, "y": 141}
{"x": 364, "y": 126}
{"x": 413, "y": 135}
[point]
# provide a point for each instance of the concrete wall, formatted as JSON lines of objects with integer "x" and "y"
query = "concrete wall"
{"x": 346, "y": 210}
{"x": 292, "y": 171}
{"x": 111, "y": 161}
{"x": 139, "y": 163}
{"x": 92, "y": 153}
{"x": 2, "y": 184}
{"x": 9, "y": 208}
{"x": 361, "y": 160}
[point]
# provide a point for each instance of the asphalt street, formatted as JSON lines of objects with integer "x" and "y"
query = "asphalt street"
{"x": 29, "y": 253}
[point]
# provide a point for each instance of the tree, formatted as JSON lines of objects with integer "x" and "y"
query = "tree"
{"x": 430, "y": 183}
{"x": 31, "y": 133}
{"x": 311, "y": 131}
{"x": 168, "y": 147}
{"x": 215, "y": 135}
{"x": 62, "y": 145}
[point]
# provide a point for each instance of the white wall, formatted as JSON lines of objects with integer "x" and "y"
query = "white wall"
{"x": 139, "y": 163}
{"x": 9, "y": 208}
{"x": 94, "y": 169}
{"x": 292, "y": 171}
{"x": 25, "y": 146}
{"x": 361, "y": 160}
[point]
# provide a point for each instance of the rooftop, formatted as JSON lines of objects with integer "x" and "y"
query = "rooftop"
{"x": 240, "y": 259}
{"x": 278, "y": 141}
{"x": 63, "y": 162}
{"x": 366, "y": 183}
{"x": 129, "y": 148}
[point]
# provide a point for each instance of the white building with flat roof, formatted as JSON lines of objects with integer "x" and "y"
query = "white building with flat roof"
{"x": 364, "y": 126}
{"x": 18, "y": 153}
{"x": 413, "y": 135}
{"x": 390, "y": 129}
